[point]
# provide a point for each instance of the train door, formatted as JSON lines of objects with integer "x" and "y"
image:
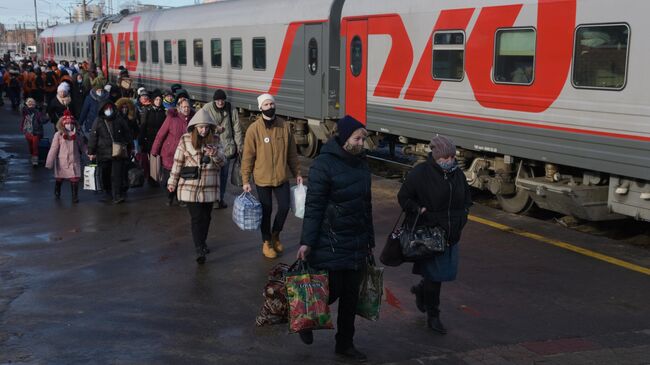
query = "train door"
{"x": 103, "y": 54}
{"x": 356, "y": 74}
{"x": 313, "y": 71}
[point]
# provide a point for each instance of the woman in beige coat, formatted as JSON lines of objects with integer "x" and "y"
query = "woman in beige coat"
{"x": 195, "y": 176}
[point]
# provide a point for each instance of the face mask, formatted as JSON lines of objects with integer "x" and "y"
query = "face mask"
{"x": 79, "y": 81}
{"x": 69, "y": 127}
{"x": 447, "y": 165}
{"x": 99, "y": 93}
{"x": 353, "y": 149}
{"x": 108, "y": 112}
{"x": 269, "y": 113}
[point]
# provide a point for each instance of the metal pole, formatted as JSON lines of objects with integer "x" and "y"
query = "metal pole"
{"x": 83, "y": 10}
{"x": 36, "y": 27}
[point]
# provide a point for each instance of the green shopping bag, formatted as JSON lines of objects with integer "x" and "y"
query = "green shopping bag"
{"x": 307, "y": 294}
{"x": 371, "y": 291}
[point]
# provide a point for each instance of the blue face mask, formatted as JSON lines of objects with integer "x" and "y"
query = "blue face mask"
{"x": 447, "y": 166}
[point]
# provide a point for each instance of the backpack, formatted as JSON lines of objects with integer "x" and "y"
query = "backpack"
{"x": 49, "y": 79}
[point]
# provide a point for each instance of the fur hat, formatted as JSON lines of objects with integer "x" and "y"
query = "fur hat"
{"x": 442, "y": 147}
{"x": 345, "y": 127}
{"x": 264, "y": 97}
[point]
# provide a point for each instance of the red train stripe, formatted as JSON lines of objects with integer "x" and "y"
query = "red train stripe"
{"x": 528, "y": 125}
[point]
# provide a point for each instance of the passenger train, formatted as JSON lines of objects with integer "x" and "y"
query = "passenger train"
{"x": 546, "y": 99}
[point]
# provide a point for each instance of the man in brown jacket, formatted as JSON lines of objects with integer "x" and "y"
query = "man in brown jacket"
{"x": 269, "y": 151}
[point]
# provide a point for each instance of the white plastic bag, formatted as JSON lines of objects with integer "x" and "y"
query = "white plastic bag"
{"x": 298, "y": 198}
{"x": 91, "y": 178}
{"x": 247, "y": 212}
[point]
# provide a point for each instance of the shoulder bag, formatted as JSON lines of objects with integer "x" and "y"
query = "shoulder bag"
{"x": 422, "y": 242}
{"x": 119, "y": 149}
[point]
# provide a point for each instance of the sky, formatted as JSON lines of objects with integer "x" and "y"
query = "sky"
{"x": 19, "y": 11}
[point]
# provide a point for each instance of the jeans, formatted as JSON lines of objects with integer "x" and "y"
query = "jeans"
{"x": 264, "y": 193}
{"x": 344, "y": 286}
{"x": 112, "y": 176}
{"x": 223, "y": 179}
{"x": 200, "y": 216}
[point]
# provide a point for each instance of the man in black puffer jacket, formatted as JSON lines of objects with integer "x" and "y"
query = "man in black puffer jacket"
{"x": 337, "y": 232}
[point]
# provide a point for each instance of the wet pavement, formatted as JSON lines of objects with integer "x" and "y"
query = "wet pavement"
{"x": 94, "y": 283}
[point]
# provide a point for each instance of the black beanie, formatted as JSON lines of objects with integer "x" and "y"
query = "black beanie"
{"x": 219, "y": 95}
{"x": 346, "y": 126}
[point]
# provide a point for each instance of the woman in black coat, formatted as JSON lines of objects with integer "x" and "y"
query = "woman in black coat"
{"x": 437, "y": 191}
{"x": 337, "y": 231}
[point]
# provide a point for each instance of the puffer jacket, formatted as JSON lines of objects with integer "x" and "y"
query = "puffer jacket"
{"x": 338, "y": 212}
{"x": 174, "y": 126}
{"x": 205, "y": 189}
{"x": 100, "y": 142}
{"x": 90, "y": 108}
{"x": 152, "y": 121}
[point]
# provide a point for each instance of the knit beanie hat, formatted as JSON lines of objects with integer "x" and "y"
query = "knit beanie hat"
{"x": 345, "y": 127}
{"x": 442, "y": 147}
{"x": 219, "y": 95}
{"x": 63, "y": 87}
{"x": 264, "y": 97}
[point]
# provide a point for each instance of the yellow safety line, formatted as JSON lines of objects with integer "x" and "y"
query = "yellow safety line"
{"x": 564, "y": 245}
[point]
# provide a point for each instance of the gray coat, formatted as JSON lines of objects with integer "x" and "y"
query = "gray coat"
{"x": 231, "y": 138}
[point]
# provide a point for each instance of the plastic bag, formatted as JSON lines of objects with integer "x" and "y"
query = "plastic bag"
{"x": 91, "y": 178}
{"x": 275, "y": 309}
{"x": 371, "y": 292}
{"x": 247, "y": 212}
{"x": 298, "y": 198}
{"x": 307, "y": 294}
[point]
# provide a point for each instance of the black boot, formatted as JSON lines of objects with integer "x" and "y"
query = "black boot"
{"x": 306, "y": 336}
{"x": 431, "y": 294}
{"x": 352, "y": 353}
{"x": 418, "y": 291}
{"x": 433, "y": 322}
{"x": 75, "y": 192}
{"x": 200, "y": 255}
{"x": 57, "y": 189}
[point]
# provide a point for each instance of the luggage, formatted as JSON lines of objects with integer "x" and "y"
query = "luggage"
{"x": 43, "y": 149}
{"x": 155, "y": 168}
{"x": 276, "y": 308}
{"x": 371, "y": 291}
{"x": 136, "y": 176}
{"x": 235, "y": 174}
{"x": 307, "y": 294}
{"x": 247, "y": 212}
{"x": 91, "y": 178}
{"x": 298, "y": 198}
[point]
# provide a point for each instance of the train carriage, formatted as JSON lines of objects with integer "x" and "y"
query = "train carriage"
{"x": 545, "y": 98}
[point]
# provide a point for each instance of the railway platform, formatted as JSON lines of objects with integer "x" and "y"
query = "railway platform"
{"x": 93, "y": 283}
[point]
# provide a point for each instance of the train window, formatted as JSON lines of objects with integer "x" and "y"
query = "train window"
{"x": 259, "y": 54}
{"x": 514, "y": 58}
{"x": 198, "y": 52}
{"x": 215, "y": 49}
{"x": 154, "y": 51}
{"x": 182, "y": 52}
{"x": 600, "y": 56}
{"x": 312, "y": 56}
{"x": 57, "y": 48}
{"x": 87, "y": 50}
{"x": 356, "y": 56}
{"x": 131, "y": 51}
{"x": 448, "y": 55}
{"x": 236, "y": 55}
{"x": 77, "y": 49}
{"x": 143, "y": 51}
{"x": 167, "y": 50}
{"x": 122, "y": 50}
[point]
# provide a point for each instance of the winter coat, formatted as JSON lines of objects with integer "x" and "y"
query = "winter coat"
{"x": 90, "y": 108}
{"x": 205, "y": 189}
{"x": 228, "y": 119}
{"x": 65, "y": 154}
{"x": 130, "y": 117}
{"x": 174, "y": 126}
{"x": 338, "y": 212}
{"x": 100, "y": 142}
{"x": 32, "y": 122}
{"x": 151, "y": 122}
{"x": 268, "y": 153}
{"x": 78, "y": 94}
{"x": 57, "y": 106}
{"x": 447, "y": 197}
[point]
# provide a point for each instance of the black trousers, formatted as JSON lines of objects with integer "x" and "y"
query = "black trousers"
{"x": 344, "y": 286}
{"x": 112, "y": 175}
{"x": 431, "y": 290}
{"x": 165, "y": 177}
{"x": 264, "y": 193}
{"x": 200, "y": 216}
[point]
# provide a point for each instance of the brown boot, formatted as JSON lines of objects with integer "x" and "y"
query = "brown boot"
{"x": 277, "y": 245}
{"x": 268, "y": 251}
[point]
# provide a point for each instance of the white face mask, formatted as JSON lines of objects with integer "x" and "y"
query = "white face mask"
{"x": 69, "y": 127}
{"x": 108, "y": 112}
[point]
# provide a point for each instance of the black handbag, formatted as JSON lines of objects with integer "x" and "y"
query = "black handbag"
{"x": 391, "y": 254}
{"x": 190, "y": 172}
{"x": 422, "y": 242}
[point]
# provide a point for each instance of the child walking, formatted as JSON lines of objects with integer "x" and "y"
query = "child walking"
{"x": 65, "y": 155}
{"x": 32, "y": 126}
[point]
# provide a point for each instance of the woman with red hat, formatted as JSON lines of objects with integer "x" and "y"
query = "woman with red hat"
{"x": 65, "y": 155}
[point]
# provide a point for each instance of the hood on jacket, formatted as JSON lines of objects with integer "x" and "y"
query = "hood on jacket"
{"x": 129, "y": 103}
{"x": 201, "y": 117}
{"x": 103, "y": 105}
{"x": 99, "y": 98}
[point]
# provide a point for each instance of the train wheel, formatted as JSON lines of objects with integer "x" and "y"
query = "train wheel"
{"x": 312, "y": 147}
{"x": 520, "y": 201}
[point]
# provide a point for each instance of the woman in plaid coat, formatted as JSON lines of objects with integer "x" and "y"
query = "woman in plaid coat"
{"x": 200, "y": 157}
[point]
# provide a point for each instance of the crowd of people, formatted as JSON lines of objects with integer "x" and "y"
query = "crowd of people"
{"x": 112, "y": 124}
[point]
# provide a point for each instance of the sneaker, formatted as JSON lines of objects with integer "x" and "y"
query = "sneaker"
{"x": 307, "y": 336}
{"x": 353, "y": 354}
{"x": 268, "y": 251}
{"x": 118, "y": 200}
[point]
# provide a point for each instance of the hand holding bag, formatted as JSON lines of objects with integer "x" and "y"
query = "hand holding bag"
{"x": 391, "y": 255}
{"x": 307, "y": 294}
{"x": 421, "y": 242}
